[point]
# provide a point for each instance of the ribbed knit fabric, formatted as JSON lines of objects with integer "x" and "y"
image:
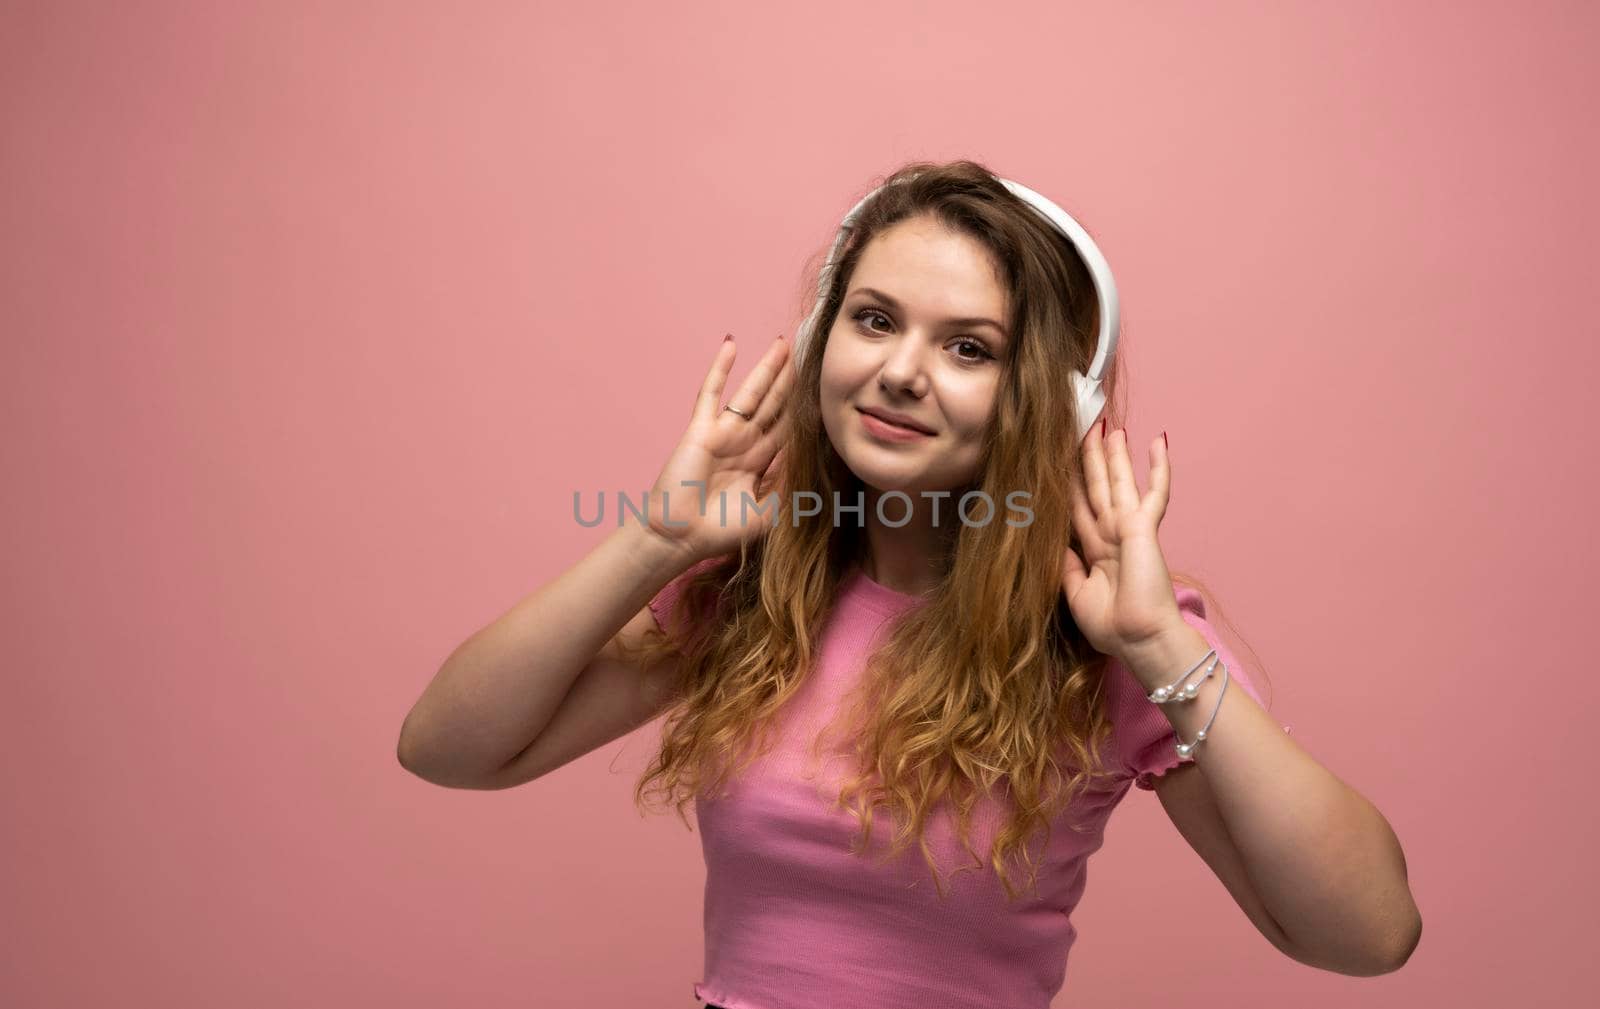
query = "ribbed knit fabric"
{"x": 795, "y": 920}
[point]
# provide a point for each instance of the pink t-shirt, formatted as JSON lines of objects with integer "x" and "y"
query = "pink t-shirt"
{"x": 795, "y": 920}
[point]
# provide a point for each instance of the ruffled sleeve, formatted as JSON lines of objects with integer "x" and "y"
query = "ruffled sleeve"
{"x": 664, "y": 605}
{"x": 1146, "y": 742}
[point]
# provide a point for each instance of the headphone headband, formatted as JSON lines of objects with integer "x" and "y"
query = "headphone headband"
{"x": 1087, "y": 387}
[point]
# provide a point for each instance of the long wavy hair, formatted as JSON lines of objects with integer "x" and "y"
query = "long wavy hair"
{"x": 988, "y": 688}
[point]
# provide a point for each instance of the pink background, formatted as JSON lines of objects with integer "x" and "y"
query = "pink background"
{"x": 315, "y": 316}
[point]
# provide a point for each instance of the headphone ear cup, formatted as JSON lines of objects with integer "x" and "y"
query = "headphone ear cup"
{"x": 1091, "y": 401}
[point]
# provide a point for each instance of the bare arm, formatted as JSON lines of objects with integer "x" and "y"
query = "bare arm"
{"x": 1325, "y": 864}
{"x": 502, "y": 687}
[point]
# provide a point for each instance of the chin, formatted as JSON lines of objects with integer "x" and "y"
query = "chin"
{"x": 874, "y": 472}
{"x": 909, "y": 477}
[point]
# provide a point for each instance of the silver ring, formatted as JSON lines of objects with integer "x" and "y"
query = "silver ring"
{"x": 737, "y": 411}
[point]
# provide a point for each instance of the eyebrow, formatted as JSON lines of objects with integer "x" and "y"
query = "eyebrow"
{"x": 873, "y": 292}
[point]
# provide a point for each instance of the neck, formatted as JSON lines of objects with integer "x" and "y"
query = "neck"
{"x": 908, "y": 558}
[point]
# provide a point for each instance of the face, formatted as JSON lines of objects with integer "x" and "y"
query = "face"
{"x": 907, "y": 340}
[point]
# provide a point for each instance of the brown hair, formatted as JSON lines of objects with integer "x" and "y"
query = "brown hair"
{"x": 988, "y": 685}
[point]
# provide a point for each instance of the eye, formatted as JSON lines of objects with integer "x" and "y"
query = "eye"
{"x": 983, "y": 354}
{"x": 870, "y": 311}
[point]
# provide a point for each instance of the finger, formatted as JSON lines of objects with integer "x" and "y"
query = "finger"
{"x": 777, "y": 396}
{"x": 1072, "y": 573}
{"x": 709, "y": 402}
{"x": 771, "y": 440}
{"x": 1094, "y": 470}
{"x": 1083, "y": 519}
{"x": 1160, "y": 477}
{"x": 1119, "y": 464}
{"x": 759, "y": 382}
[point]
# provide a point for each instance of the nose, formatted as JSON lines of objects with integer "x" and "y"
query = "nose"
{"x": 905, "y": 367}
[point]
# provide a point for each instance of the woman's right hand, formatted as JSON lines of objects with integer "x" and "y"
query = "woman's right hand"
{"x": 723, "y": 456}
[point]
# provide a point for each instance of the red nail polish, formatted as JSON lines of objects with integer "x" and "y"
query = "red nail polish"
{"x": 1103, "y": 426}
{"x": 725, "y": 339}
{"x": 1164, "y": 440}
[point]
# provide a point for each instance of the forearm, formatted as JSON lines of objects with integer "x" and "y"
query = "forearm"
{"x": 501, "y": 686}
{"x": 1322, "y": 858}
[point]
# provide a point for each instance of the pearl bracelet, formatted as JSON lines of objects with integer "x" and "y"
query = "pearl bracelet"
{"x": 1173, "y": 693}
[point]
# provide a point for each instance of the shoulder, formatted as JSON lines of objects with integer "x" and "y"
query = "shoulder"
{"x": 665, "y": 605}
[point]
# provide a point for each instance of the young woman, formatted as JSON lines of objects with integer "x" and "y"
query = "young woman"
{"x": 889, "y": 584}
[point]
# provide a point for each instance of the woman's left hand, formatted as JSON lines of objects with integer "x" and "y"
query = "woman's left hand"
{"x": 1125, "y": 599}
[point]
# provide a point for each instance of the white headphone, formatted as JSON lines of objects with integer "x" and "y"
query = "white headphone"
{"x": 1091, "y": 396}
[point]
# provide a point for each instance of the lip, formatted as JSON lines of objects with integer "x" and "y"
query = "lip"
{"x": 889, "y": 430}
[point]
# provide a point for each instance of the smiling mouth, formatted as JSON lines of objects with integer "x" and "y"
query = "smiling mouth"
{"x": 893, "y": 426}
